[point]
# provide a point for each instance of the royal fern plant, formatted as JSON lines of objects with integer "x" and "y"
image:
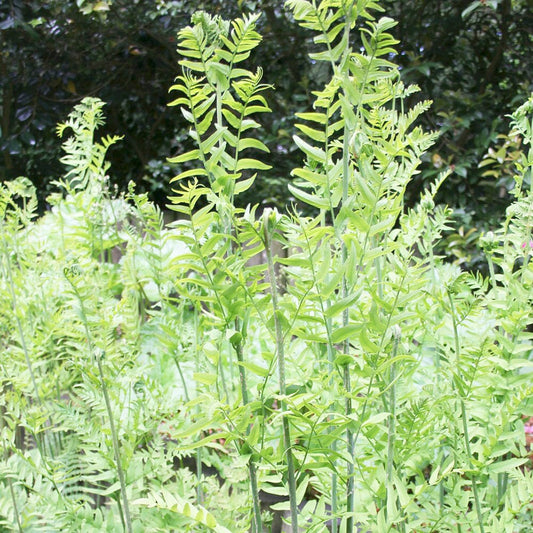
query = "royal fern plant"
{"x": 324, "y": 360}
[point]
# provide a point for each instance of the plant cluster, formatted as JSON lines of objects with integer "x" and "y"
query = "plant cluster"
{"x": 350, "y": 376}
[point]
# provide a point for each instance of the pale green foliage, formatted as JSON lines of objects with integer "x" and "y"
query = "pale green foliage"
{"x": 357, "y": 272}
{"x": 84, "y": 155}
{"x": 350, "y": 359}
{"x": 167, "y": 500}
{"x": 218, "y": 105}
{"x": 65, "y": 303}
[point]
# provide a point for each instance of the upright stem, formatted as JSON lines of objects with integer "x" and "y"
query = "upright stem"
{"x": 15, "y": 508}
{"x": 490, "y": 263}
{"x": 238, "y": 347}
{"x": 257, "y": 523}
{"x": 199, "y": 489}
{"x": 331, "y": 368}
{"x": 350, "y": 444}
{"x": 392, "y": 425}
{"x": 9, "y": 480}
{"x": 116, "y": 448}
{"x": 280, "y": 352}
{"x": 464, "y": 417}
{"x": 502, "y": 476}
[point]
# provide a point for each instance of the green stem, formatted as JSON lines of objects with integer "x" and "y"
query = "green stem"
{"x": 392, "y": 423}
{"x": 257, "y": 523}
{"x": 280, "y": 351}
{"x": 503, "y": 476}
{"x": 182, "y": 377}
{"x": 331, "y": 364}
{"x": 490, "y": 262}
{"x": 334, "y": 477}
{"x": 116, "y": 447}
{"x": 503, "y": 479}
{"x": 126, "y": 512}
{"x": 350, "y": 443}
{"x": 8, "y": 477}
{"x": 199, "y": 489}
{"x": 15, "y": 508}
{"x": 464, "y": 417}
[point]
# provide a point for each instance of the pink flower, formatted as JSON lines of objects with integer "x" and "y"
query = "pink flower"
{"x": 524, "y": 244}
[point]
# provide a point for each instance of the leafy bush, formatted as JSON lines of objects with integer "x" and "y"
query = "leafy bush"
{"x": 350, "y": 375}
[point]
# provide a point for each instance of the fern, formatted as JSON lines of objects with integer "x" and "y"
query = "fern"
{"x": 129, "y": 344}
{"x": 218, "y": 106}
{"x": 172, "y": 502}
{"x": 85, "y": 156}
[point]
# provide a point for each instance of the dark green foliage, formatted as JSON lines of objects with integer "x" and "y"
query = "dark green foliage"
{"x": 471, "y": 58}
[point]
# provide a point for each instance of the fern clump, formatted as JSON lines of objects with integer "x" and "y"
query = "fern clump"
{"x": 237, "y": 368}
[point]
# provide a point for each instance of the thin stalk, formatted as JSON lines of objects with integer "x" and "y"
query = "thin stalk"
{"x": 257, "y": 526}
{"x": 9, "y": 480}
{"x": 350, "y": 443}
{"x": 392, "y": 423}
{"x": 223, "y": 378}
{"x": 492, "y": 273}
{"x": 252, "y": 470}
{"x": 334, "y": 477}
{"x": 199, "y": 489}
{"x": 182, "y": 377}
{"x": 208, "y": 273}
{"x": 125, "y": 512}
{"x": 116, "y": 447}
{"x": 280, "y": 351}
{"x": 503, "y": 477}
{"x": 15, "y": 508}
{"x": 463, "y": 416}
{"x": 331, "y": 368}
{"x": 442, "y": 489}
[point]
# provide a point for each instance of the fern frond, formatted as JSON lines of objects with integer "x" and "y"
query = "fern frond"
{"x": 172, "y": 502}
{"x": 243, "y": 39}
{"x": 200, "y": 41}
{"x": 84, "y": 155}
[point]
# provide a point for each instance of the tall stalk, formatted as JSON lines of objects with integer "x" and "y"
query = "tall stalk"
{"x": 252, "y": 469}
{"x": 350, "y": 448}
{"x": 238, "y": 346}
{"x": 464, "y": 416}
{"x": 125, "y": 512}
{"x": 392, "y": 423}
{"x": 9, "y": 480}
{"x": 116, "y": 447}
{"x": 268, "y": 230}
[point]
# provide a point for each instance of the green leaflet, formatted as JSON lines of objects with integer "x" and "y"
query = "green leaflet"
{"x": 169, "y": 501}
{"x": 311, "y": 199}
{"x": 399, "y": 375}
{"x": 217, "y": 105}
